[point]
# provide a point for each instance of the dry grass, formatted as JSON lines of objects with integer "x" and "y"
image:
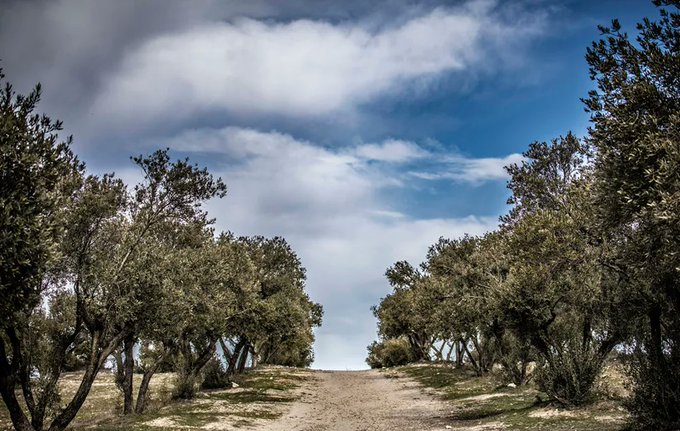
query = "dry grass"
{"x": 261, "y": 397}
{"x": 485, "y": 403}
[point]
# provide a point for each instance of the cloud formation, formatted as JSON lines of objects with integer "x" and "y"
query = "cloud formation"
{"x": 302, "y": 68}
{"x": 232, "y": 84}
{"x": 472, "y": 170}
{"x": 391, "y": 150}
{"x": 333, "y": 206}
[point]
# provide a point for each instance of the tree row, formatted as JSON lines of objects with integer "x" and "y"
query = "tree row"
{"x": 92, "y": 272}
{"x": 586, "y": 264}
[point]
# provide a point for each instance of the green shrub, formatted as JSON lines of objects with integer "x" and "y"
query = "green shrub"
{"x": 186, "y": 385}
{"x": 570, "y": 378}
{"x": 389, "y": 353}
{"x": 215, "y": 375}
{"x": 655, "y": 403}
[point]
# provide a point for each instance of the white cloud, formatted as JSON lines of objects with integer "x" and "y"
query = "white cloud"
{"x": 472, "y": 170}
{"x": 391, "y": 150}
{"x": 333, "y": 207}
{"x": 345, "y": 269}
{"x": 115, "y": 69}
{"x": 299, "y": 68}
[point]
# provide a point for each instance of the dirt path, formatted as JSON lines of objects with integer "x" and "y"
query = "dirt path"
{"x": 361, "y": 400}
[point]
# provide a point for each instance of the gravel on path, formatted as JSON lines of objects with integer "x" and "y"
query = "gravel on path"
{"x": 361, "y": 401}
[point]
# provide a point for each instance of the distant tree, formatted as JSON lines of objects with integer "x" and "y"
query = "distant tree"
{"x": 162, "y": 325}
{"x": 396, "y": 313}
{"x": 391, "y": 352}
{"x": 464, "y": 303}
{"x": 217, "y": 278}
{"x": 278, "y": 329}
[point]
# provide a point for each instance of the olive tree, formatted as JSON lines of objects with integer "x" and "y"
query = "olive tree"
{"x": 169, "y": 196}
{"x": 558, "y": 293}
{"x": 635, "y": 131}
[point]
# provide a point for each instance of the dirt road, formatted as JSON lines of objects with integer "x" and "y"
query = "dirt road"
{"x": 360, "y": 400}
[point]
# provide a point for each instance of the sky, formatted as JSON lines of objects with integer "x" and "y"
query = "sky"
{"x": 361, "y": 131}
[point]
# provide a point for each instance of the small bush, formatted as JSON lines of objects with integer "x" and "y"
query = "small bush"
{"x": 655, "y": 403}
{"x": 186, "y": 385}
{"x": 516, "y": 357}
{"x": 215, "y": 375}
{"x": 569, "y": 380}
{"x": 389, "y": 353}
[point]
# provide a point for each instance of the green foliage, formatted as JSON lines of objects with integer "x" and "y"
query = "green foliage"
{"x": 655, "y": 403}
{"x": 587, "y": 258}
{"x": 38, "y": 174}
{"x": 399, "y": 314}
{"x": 185, "y": 385}
{"x": 215, "y": 375}
{"x": 636, "y": 130}
{"x": 90, "y": 268}
{"x": 278, "y": 326}
{"x": 391, "y": 352}
{"x": 570, "y": 377}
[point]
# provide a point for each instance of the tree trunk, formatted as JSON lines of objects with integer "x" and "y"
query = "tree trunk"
{"x": 129, "y": 368}
{"x": 225, "y": 350}
{"x": 459, "y": 352}
{"x": 234, "y": 356}
{"x": 37, "y": 407}
{"x": 98, "y": 354}
{"x": 451, "y": 346}
{"x": 144, "y": 389}
{"x": 439, "y": 352}
{"x": 472, "y": 359}
{"x": 481, "y": 355}
{"x": 254, "y": 356}
{"x": 120, "y": 373}
{"x": 39, "y": 410}
{"x": 656, "y": 343}
{"x": 243, "y": 359}
{"x": 142, "y": 394}
{"x": 204, "y": 358}
{"x": 7, "y": 385}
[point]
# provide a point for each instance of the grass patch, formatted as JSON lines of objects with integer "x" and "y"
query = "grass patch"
{"x": 486, "y": 402}
{"x": 453, "y": 383}
{"x": 260, "y": 396}
{"x": 250, "y": 397}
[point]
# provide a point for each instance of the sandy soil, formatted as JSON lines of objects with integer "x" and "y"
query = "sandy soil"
{"x": 360, "y": 400}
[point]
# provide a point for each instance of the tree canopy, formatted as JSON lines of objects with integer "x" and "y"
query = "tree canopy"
{"x": 586, "y": 263}
{"x": 93, "y": 270}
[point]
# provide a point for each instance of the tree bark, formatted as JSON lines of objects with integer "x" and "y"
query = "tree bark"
{"x": 243, "y": 359}
{"x": 128, "y": 371}
{"x": 472, "y": 359}
{"x": 254, "y": 356}
{"x": 459, "y": 352}
{"x": 234, "y": 356}
{"x": 142, "y": 393}
{"x": 225, "y": 350}
{"x": 451, "y": 347}
{"x": 7, "y": 384}
{"x": 144, "y": 389}
{"x": 120, "y": 368}
{"x": 99, "y": 353}
{"x": 481, "y": 355}
{"x": 204, "y": 357}
{"x": 656, "y": 343}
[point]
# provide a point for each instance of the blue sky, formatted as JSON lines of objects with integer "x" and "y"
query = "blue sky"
{"x": 360, "y": 131}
